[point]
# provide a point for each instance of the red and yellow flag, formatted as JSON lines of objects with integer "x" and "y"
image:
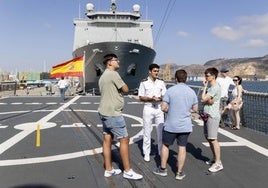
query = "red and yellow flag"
{"x": 73, "y": 67}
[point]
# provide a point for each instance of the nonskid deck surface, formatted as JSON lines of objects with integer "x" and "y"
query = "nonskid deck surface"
{"x": 70, "y": 154}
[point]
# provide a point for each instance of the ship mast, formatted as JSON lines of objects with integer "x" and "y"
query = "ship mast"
{"x": 113, "y": 6}
{"x": 113, "y": 9}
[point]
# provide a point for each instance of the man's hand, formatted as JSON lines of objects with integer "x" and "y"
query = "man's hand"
{"x": 156, "y": 99}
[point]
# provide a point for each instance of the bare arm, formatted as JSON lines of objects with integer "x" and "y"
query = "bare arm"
{"x": 150, "y": 99}
{"x": 244, "y": 90}
{"x": 207, "y": 99}
{"x": 145, "y": 99}
{"x": 195, "y": 108}
{"x": 124, "y": 89}
{"x": 204, "y": 97}
{"x": 164, "y": 107}
{"x": 239, "y": 91}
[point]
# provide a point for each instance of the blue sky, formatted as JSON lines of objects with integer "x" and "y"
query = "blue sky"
{"x": 37, "y": 34}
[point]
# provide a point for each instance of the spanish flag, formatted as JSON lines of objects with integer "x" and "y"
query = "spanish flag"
{"x": 73, "y": 67}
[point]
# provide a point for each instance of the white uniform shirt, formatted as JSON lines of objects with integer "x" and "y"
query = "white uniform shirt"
{"x": 148, "y": 88}
{"x": 62, "y": 84}
{"x": 225, "y": 84}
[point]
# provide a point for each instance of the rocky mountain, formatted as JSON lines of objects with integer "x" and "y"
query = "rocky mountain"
{"x": 247, "y": 68}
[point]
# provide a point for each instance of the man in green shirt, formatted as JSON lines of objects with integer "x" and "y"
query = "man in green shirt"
{"x": 211, "y": 100}
{"x": 110, "y": 111}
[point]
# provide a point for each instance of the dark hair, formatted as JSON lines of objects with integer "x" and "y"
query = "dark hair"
{"x": 239, "y": 79}
{"x": 152, "y": 66}
{"x": 212, "y": 71}
{"x": 108, "y": 57}
{"x": 181, "y": 75}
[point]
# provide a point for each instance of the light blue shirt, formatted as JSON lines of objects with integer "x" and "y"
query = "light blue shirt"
{"x": 214, "y": 109}
{"x": 180, "y": 99}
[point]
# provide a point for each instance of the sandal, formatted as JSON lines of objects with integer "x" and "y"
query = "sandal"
{"x": 235, "y": 128}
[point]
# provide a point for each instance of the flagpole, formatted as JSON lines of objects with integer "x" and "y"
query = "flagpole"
{"x": 84, "y": 73}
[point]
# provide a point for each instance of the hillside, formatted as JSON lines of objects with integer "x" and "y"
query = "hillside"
{"x": 245, "y": 67}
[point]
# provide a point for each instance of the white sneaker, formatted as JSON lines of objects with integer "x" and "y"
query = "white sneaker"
{"x": 180, "y": 175}
{"x": 147, "y": 158}
{"x": 113, "y": 172}
{"x": 132, "y": 175}
{"x": 210, "y": 162}
{"x": 216, "y": 167}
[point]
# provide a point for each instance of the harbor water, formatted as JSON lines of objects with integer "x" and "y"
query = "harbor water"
{"x": 251, "y": 86}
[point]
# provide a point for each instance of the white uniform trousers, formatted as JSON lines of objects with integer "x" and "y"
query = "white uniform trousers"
{"x": 150, "y": 113}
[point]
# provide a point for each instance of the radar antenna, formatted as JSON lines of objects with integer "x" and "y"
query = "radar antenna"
{"x": 113, "y": 9}
{"x": 113, "y": 6}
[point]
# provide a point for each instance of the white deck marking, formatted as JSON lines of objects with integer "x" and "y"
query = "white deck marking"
{"x": 239, "y": 142}
{"x": 72, "y": 155}
{"x": 13, "y": 140}
{"x": 50, "y": 158}
{"x": 32, "y": 103}
{"x": 3, "y": 126}
{"x": 51, "y": 103}
{"x": 29, "y": 128}
{"x": 247, "y": 143}
{"x": 85, "y": 103}
{"x": 74, "y": 125}
{"x": 15, "y": 112}
{"x": 135, "y": 138}
{"x": 226, "y": 144}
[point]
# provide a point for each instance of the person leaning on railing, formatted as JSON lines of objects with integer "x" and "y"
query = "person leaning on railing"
{"x": 236, "y": 103}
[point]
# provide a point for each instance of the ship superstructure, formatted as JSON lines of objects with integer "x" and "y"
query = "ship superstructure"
{"x": 122, "y": 33}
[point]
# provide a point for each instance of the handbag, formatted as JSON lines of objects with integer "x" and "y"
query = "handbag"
{"x": 236, "y": 104}
{"x": 204, "y": 116}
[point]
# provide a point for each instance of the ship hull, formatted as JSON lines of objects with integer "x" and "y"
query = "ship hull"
{"x": 134, "y": 62}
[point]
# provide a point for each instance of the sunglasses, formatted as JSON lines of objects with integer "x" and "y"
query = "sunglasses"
{"x": 235, "y": 80}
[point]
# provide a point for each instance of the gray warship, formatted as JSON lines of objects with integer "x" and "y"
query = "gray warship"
{"x": 112, "y": 31}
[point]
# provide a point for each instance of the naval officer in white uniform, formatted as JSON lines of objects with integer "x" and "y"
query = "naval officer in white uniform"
{"x": 151, "y": 92}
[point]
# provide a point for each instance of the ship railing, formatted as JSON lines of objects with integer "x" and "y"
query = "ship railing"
{"x": 8, "y": 86}
{"x": 92, "y": 91}
{"x": 254, "y": 112}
